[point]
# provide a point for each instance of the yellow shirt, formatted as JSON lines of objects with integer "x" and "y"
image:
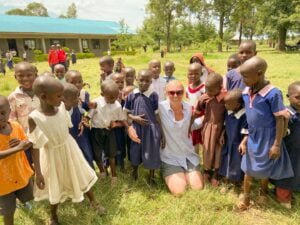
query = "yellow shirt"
{"x": 15, "y": 170}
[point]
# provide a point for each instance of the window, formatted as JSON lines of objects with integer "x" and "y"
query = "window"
{"x": 29, "y": 44}
{"x": 96, "y": 43}
{"x": 58, "y": 41}
{"x": 85, "y": 44}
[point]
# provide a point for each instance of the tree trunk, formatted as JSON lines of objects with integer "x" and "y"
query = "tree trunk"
{"x": 221, "y": 26}
{"x": 281, "y": 38}
{"x": 168, "y": 34}
{"x": 240, "y": 32}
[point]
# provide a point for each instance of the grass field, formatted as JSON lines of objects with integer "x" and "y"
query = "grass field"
{"x": 133, "y": 203}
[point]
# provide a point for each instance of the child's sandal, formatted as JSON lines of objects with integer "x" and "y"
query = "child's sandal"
{"x": 244, "y": 202}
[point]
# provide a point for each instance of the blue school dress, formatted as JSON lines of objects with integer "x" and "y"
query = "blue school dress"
{"x": 292, "y": 142}
{"x": 83, "y": 141}
{"x": 235, "y": 129}
{"x": 234, "y": 80}
{"x": 85, "y": 99}
{"x": 147, "y": 152}
{"x": 261, "y": 110}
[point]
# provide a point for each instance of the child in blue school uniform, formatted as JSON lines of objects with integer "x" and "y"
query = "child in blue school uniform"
{"x": 286, "y": 187}
{"x": 264, "y": 154}
{"x": 79, "y": 131}
{"x": 235, "y": 129}
{"x": 142, "y": 108}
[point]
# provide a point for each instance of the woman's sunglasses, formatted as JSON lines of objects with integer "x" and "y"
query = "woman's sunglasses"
{"x": 178, "y": 93}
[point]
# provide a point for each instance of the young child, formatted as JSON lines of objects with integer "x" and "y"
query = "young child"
{"x": 119, "y": 66}
{"x": 169, "y": 69}
{"x": 105, "y": 118}
{"x": 233, "y": 62}
{"x": 286, "y": 187}
{"x": 142, "y": 108}
{"x": 73, "y": 57}
{"x": 264, "y": 153}
{"x": 2, "y": 66}
{"x": 59, "y": 72}
{"x": 80, "y": 130}
{"x": 14, "y": 167}
{"x": 23, "y": 101}
{"x": 235, "y": 129}
{"x": 233, "y": 78}
{"x": 198, "y": 58}
{"x": 158, "y": 84}
{"x": 129, "y": 76}
{"x": 119, "y": 79}
{"x": 106, "y": 66}
{"x": 194, "y": 91}
{"x": 63, "y": 172}
{"x": 212, "y": 105}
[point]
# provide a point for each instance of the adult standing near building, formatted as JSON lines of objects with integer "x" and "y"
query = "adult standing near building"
{"x": 61, "y": 56}
{"x": 52, "y": 57}
{"x": 9, "y": 58}
{"x": 180, "y": 162}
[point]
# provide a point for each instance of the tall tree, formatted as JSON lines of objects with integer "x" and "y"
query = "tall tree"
{"x": 16, "y": 12}
{"x": 32, "y": 9}
{"x": 72, "y": 11}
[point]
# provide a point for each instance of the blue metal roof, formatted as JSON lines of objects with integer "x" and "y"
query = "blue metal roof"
{"x": 36, "y": 24}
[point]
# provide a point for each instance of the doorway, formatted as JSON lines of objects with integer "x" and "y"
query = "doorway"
{"x": 12, "y": 46}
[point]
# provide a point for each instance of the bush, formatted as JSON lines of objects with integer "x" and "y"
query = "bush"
{"x": 41, "y": 57}
{"x": 15, "y": 60}
{"x": 85, "y": 55}
{"x": 66, "y": 49}
{"x": 112, "y": 53}
{"x": 37, "y": 52}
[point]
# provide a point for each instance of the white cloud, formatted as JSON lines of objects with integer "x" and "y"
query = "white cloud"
{"x": 133, "y": 11}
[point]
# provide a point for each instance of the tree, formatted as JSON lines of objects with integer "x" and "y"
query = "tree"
{"x": 72, "y": 11}
{"x": 32, "y": 9}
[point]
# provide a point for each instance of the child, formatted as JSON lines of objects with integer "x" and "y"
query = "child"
{"x": 264, "y": 153}
{"x": 2, "y": 66}
{"x": 198, "y": 58}
{"x": 14, "y": 167}
{"x": 142, "y": 108}
{"x": 74, "y": 77}
{"x": 158, "y": 84}
{"x": 119, "y": 66}
{"x": 235, "y": 128}
{"x": 128, "y": 90}
{"x": 233, "y": 62}
{"x": 129, "y": 76}
{"x": 59, "y": 72}
{"x": 212, "y": 105}
{"x": 64, "y": 172}
{"x": 23, "y": 101}
{"x": 169, "y": 69}
{"x": 119, "y": 79}
{"x": 106, "y": 65}
{"x": 73, "y": 57}
{"x": 233, "y": 78}
{"x": 105, "y": 118}
{"x": 285, "y": 187}
{"x": 79, "y": 131}
{"x": 193, "y": 92}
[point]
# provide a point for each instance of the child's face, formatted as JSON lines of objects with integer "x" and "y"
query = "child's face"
{"x": 194, "y": 75}
{"x": 129, "y": 77}
{"x": 60, "y": 73}
{"x": 71, "y": 101}
{"x": 54, "y": 98}
{"x": 250, "y": 77}
{"x": 25, "y": 77}
{"x": 119, "y": 80}
{"x": 232, "y": 104}
{"x": 76, "y": 79}
{"x": 106, "y": 67}
{"x": 110, "y": 97}
{"x": 294, "y": 99}
{"x": 232, "y": 64}
{"x": 144, "y": 81}
{"x": 169, "y": 70}
{"x": 213, "y": 90}
{"x": 4, "y": 113}
{"x": 155, "y": 68}
{"x": 246, "y": 52}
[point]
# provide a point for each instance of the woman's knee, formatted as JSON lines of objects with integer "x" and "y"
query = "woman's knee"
{"x": 195, "y": 180}
{"x": 176, "y": 183}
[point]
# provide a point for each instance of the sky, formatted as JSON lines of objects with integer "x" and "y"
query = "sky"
{"x": 132, "y": 11}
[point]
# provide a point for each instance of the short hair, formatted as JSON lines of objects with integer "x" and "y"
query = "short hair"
{"x": 249, "y": 42}
{"x": 153, "y": 61}
{"x": 71, "y": 73}
{"x": 45, "y": 84}
{"x": 129, "y": 69}
{"x": 174, "y": 83}
{"x": 169, "y": 63}
{"x": 235, "y": 57}
{"x": 255, "y": 64}
{"x": 70, "y": 90}
{"x": 59, "y": 66}
{"x": 107, "y": 59}
{"x": 214, "y": 79}
{"x": 109, "y": 86}
{"x": 115, "y": 75}
{"x": 27, "y": 65}
{"x": 293, "y": 86}
{"x": 235, "y": 94}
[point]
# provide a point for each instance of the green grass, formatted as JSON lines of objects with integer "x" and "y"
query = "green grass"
{"x": 133, "y": 203}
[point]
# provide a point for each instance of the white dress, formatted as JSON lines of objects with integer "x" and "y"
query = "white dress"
{"x": 66, "y": 172}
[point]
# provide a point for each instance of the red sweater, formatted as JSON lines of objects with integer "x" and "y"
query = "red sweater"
{"x": 61, "y": 55}
{"x": 53, "y": 57}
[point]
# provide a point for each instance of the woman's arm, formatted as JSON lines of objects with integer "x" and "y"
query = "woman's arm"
{"x": 163, "y": 139}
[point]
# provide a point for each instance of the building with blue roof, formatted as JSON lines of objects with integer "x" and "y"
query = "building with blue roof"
{"x": 26, "y": 33}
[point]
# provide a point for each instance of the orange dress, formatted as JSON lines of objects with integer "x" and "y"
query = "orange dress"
{"x": 15, "y": 170}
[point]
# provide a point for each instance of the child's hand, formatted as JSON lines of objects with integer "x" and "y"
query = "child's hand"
{"x": 24, "y": 145}
{"x": 140, "y": 119}
{"x": 242, "y": 148}
{"x": 92, "y": 105}
{"x": 190, "y": 131}
{"x": 113, "y": 124}
{"x": 274, "y": 152}
{"x": 40, "y": 182}
{"x": 14, "y": 142}
{"x": 132, "y": 135}
{"x": 82, "y": 125}
{"x": 222, "y": 139}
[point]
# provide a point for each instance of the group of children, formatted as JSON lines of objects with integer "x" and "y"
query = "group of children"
{"x": 243, "y": 134}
